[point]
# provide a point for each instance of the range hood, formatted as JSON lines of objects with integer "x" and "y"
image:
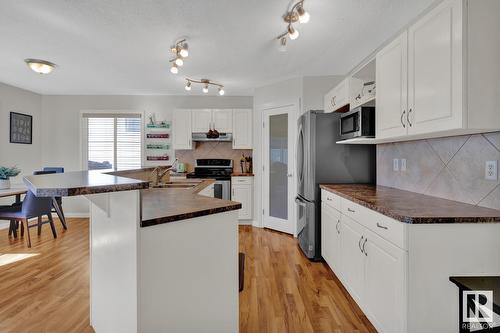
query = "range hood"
{"x": 202, "y": 137}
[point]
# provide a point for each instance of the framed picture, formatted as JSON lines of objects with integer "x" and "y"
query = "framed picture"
{"x": 21, "y": 128}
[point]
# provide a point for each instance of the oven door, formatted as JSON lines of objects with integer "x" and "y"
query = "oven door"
{"x": 222, "y": 189}
{"x": 350, "y": 124}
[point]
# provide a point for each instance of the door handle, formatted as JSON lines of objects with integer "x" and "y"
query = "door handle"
{"x": 408, "y": 117}
{"x": 364, "y": 251}
{"x": 402, "y": 116}
{"x": 359, "y": 243}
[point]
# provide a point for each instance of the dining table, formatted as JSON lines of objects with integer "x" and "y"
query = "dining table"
{"x": 15, "y": 190}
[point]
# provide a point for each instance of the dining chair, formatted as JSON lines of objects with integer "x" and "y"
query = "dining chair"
{"x": 57, "y": 201}
{"x": 31, "y": 207}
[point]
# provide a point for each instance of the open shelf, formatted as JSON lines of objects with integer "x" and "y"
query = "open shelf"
{"x": 359, "y": 141}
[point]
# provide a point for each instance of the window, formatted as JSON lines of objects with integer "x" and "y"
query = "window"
{"x": 112, "y": 141}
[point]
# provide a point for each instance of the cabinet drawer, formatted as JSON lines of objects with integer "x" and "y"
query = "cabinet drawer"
{"x": 331, "y": 199}
{"x": 384, "y": 226}
{"x": 241, "y": 180}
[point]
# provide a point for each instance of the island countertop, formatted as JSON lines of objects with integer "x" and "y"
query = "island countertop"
{"x": 410, "y": 207}
{"x": 80, "y": 183}
{"x": 164, "y": 205}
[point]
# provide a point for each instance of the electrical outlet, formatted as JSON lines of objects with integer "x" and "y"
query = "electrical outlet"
{"x": 403, "y": 164}
{"x": 395, "y": 164}
{"x": 491, "y": 170}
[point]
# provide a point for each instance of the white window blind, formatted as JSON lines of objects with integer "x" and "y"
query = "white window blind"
{"x": 113, "y": 141}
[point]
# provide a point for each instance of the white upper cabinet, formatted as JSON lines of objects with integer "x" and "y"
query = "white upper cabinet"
{"x": 223, "y": 120}
{"x": 435, "y": 70}
{"x": 242, "y": 128}
{"x": 450, "y": 86}
{"x": 202, "y": 120}
{"x": 181, "y": 129}
{"x": 391, "y": 102}
{"x": 220, "y": 119}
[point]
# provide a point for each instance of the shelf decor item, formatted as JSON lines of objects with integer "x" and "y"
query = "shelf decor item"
{"x": 163, "y": 124}
{"x": 157, "y": 146}
{"x": 5, "y": 174}
{"x": 21, "y": 128}
{"x": 157, "y": 135}
{"x": 158, "y": 158}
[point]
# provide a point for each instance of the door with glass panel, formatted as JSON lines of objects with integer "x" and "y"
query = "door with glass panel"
{"x": 278, "y": 166}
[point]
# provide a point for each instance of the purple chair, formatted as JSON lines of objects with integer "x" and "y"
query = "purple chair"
{"x": 32, "y": 207}
{"x": 56, "y": 201}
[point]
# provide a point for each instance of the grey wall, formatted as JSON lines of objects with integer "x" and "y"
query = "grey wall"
{"x": 451, "y": 168}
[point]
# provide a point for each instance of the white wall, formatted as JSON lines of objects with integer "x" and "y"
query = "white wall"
{"x": 26, "y": 157}
{"x": 307, "y": 93}
{"x": 61, "y": 124}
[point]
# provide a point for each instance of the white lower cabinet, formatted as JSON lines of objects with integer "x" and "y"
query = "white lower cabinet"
{"x": 385, "y": 283}
{"x": 241, "y": 191}
{"x": 372, "y": 268}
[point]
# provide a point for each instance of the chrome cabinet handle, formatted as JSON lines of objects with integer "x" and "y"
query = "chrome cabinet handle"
{"x": 333, "y": 101}
{"x": 408, "y": 117}
{"x": 337, "y": 227}
{"x": 402, "y": 116}
{"x": 364, "y": 251}
{"x": 329, "y": 199}
{"x": 382, "y": 226}
{"x": 359, "y": 243}
{"x": 351, "y": 210}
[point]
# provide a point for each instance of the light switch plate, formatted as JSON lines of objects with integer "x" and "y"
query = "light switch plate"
{"x": 491, "y": 170}
{"x": 395, "y": 164}
{"x": 403, "y": 164}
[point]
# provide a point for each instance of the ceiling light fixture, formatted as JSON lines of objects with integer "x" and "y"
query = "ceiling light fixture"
{"x": 40, "y": 66}
{"x": 282, "y": 44}
{"x": 206, "y": 84}
{"x": 294, "y": 15}
{"x": 180, "y": 51}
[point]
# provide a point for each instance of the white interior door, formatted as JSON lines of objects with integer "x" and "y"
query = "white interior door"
{"x": 278, "y": 165}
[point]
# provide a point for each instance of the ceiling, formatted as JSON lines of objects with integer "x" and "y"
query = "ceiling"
{"x": 122, "y": 46}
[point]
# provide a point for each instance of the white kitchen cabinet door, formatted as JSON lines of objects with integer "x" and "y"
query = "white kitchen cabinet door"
{"x": 330, "y": 237}
{"x": 385, "y": 281}
{"x": 435, "y": 71}
{"x": 337, "y": 97}
{"x": 242, "y": 129}
{"x": 243, "y": 194}
{"x": 391, "y": 102}
{"x": 223, "y": 120}
{"x": 352, "y": 258}
{"x": 181, "y": 129}
{"x": 202, "y": 120}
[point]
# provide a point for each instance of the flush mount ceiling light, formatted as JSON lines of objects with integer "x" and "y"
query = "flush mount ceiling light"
{"x": 40, "y": 66}
{"x": 206, "y": 84}
{"x": 180, "y": 51}
{"x": 296, "y": 14}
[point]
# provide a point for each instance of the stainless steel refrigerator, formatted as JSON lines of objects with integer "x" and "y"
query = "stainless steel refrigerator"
{"x": 321, "y": 160}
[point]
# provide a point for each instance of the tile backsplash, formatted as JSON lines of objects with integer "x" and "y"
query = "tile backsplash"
{"x": 451, "y": 168}
{"x": 212, "y": 150}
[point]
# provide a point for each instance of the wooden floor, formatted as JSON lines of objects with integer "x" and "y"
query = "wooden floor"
{"x": 284, "y": 292}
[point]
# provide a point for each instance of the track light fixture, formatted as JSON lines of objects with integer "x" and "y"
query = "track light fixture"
{"x": 206, "y": 84}
{"x": 296, "y": 14}
{"x": 180, "y": 51}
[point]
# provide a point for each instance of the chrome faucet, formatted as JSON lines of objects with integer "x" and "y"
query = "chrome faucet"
{"x": 160, "y": 172}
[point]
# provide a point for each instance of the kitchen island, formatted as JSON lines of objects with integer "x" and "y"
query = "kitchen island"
{"x": 162, "y": 259}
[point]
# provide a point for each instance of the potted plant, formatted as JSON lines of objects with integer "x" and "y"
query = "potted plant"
{"x": 5, "y": 174}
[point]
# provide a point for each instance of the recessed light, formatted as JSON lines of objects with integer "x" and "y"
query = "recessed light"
{"x": 40, "y": 66}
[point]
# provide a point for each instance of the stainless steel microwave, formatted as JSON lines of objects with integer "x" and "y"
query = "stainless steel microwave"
{"x": 358, "y": 123}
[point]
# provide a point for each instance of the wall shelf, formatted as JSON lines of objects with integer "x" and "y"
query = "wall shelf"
{"x": 157, "y": 136}
{"x": 157, "y": 146}
{"x": 157, "y": 158}
{"x": 165, "y": 124}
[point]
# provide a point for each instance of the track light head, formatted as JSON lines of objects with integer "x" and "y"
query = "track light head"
{"x": 188, "y": 86}
{"x": 304, "y": 16}
{"x": 174, "y": 69}
{"x": 179, "y": 62}
{"x": 292, "y": 32}
{"x": 221, "y": 91}
{"x": 183, "y": 52}
{"x": 205, "y": 88}
{"x": 282, "y": 44}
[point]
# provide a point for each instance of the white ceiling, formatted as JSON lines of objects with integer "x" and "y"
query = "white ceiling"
{"x": 122, "y": 46}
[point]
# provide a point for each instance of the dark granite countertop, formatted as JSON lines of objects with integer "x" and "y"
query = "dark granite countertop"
{"x": 163, "y": 205}
{"x": 410, "y": 207}
{"x": 80, "y": 183}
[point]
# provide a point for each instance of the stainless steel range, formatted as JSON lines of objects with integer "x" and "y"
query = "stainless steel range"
{"x": 218, "y": 169}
